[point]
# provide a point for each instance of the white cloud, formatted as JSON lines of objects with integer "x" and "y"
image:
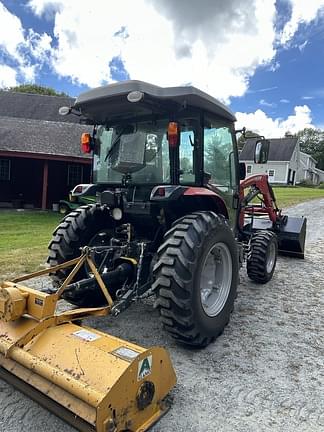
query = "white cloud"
{"x": 267, "y": 104}
{"x": 285, "y": 101}
{"x": 275, "y": 128}
{"x": 303, "y": 11}
{"x": 274, "y": 66}
{"x": 26, "y": 49}
{"x": 215, "y": 46}
{"x": 46, "y": 8}
{"x": 7, "y": 76}
{"x": 11, "y": 32}
{"x": 302, "y": 46}
{"x": 262, "y": 90}
{"x": 308, "y": 97}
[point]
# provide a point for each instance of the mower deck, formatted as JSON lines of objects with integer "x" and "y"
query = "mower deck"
{"x": 95, "y": 381}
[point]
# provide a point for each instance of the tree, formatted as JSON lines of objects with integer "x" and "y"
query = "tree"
{"x": 312, "y": 142}
{"x": 248, "y": 134}
{"x": 216, "y": 159}
{"x": 36, "y": 89}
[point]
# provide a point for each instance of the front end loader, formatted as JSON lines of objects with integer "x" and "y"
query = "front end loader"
{"x": 265, "y": 215}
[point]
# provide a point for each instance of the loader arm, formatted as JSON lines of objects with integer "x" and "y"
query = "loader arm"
{"x": 253, "y": 217}
{"x": 258, "y": 185}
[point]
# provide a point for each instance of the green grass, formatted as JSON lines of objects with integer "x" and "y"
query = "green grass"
{"x": 24, "y": 237}
{"x": 288, "y": 196}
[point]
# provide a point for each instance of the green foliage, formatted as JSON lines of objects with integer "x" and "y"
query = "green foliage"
{"x": 306, "y": 183}
{"x": 36, "y": 89}
{"x": 312, "y": 143}
{"x": 248, "y": 134}
{"x": 216, "y": 163}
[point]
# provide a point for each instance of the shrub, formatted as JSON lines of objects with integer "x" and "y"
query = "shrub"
{"x": 306, "y": 183}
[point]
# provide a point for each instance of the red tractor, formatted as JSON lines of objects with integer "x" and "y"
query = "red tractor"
{"x": 171, "y": 218}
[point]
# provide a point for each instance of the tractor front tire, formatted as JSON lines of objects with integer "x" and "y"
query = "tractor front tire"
{"x": 262, "y": 256}
{"x": 196, "y": 277}
{"x": 81, "y": 227}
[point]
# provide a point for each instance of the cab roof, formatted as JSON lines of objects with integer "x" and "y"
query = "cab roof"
{"x": 109, "y": 103}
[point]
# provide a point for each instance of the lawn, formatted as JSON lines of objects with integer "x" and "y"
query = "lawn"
{"x": 288, "y": 196}
{"x": 24, "y": 236}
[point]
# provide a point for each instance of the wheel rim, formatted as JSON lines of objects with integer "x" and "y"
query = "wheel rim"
{"x": 216, "y": 279}
{"x": 271, "y": 257}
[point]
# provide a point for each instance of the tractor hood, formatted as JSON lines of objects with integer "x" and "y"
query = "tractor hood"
{"x": 122, "y": 100}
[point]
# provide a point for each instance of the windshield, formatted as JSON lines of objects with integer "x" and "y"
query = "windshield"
{"x": 137, "y": 150}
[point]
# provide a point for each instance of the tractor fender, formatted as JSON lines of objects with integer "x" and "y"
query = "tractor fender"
{"x": 206, "y": 199}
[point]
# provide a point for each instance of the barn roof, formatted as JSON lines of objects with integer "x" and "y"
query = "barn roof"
{"x": 30, "y": 123}
{"x": 35, "y": 106}
{"x": 281, "y": 149}
{"x": 41, "y": 136}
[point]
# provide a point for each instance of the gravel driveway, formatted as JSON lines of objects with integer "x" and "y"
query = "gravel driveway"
{"x": 265, "y": 373}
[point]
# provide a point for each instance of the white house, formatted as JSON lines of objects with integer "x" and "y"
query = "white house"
{"x": 283, "y": 162}
{"x": 308, "y": 170}
{"x": 287, "y": 164}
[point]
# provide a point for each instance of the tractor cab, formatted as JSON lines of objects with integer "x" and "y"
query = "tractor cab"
{"x": 161, "y": 144}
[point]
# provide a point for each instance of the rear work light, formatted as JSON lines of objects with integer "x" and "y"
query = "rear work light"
{"x": 173, "y": 134}
{"x": 86, "y": 143}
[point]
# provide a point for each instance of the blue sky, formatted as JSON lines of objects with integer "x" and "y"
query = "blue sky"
{"x": 262, "y": 57}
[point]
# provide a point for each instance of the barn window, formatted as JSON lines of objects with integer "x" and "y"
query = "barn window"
{"x": 248, "y": 169}
{"x": 75, "y": 174}
{"x": 4, "y": 169}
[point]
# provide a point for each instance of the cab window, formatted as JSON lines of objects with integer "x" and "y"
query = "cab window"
{"x": 219, "y": 161}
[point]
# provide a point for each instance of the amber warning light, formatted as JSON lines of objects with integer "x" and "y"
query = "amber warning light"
{"x": 86, "y": 146}
{"x": 173, "y": 134}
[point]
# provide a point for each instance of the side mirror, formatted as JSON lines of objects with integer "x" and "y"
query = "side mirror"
{"x": 261, "y": 151}
{"x": 242, "y": 170}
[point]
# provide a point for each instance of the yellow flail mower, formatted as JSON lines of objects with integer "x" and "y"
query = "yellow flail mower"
{"x": 94, "y": 381}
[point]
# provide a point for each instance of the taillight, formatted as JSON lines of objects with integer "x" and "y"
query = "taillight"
{"x": 86, "y": 145}
{"x": 173, "y": 134}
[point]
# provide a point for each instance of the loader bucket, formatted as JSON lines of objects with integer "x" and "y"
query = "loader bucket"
{"x": 94, "y": 381}
{"x": 291, "y": 235}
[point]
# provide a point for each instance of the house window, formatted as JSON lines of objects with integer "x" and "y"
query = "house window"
{"x": 75, "y": 174}
{"x": 4, "y": 169}
{"x": 248, "y": 169}
{"x": 271, "y": 175}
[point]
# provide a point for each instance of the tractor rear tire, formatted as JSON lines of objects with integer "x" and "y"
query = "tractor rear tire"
{"x": 199, "y": 254}
{"x": 79, "y": 228}
{"x": 262, "y": 256}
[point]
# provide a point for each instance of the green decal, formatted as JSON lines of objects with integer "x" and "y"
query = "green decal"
{"x": 144, "y": 368}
